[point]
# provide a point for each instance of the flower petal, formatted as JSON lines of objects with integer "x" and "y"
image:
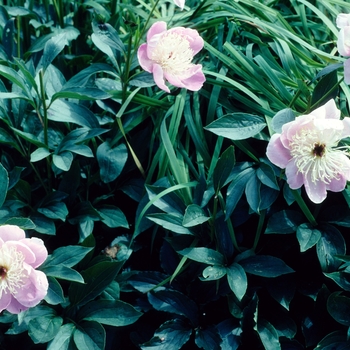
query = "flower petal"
{"x": 155, "y": 29}
{"x": 347, "y": 71}
{"x": 180, "y": 3}
{"x": 158, "y": 76}
{"x": 342, "y": 43}
{"x": 15, "y": 307}
{"x": 295, "y": 178}
{"x": 195, "y": 81}
{"x": 5, "y": 300}
{"x": 277, "y": 153}
{"x": 343, "y": 20}
{"x": 37, "y": 246}
{"x": 34, "y": 290}
{"x": 145, "y": 62}
{"x": 316, "y": 191}
{"x": 11, "y": 233}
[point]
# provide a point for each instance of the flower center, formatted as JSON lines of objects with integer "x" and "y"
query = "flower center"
{"x": 11, "y": 270}
{"x": 313, "y": 156}
{"x": 173, "y": 54}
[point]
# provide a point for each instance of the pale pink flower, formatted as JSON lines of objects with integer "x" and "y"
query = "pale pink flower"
{"x": 343, "y": 42}
{"x": 21, "y": 286}
{"x": 343, "y": 20}
{"x": 168, "y": 55}
{"x": 180, "y": 3}
{"x": 307, "y": 149}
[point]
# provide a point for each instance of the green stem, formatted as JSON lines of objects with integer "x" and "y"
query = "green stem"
{"x": 259, "y": 229}
{"x": 304, "y": 207}
{"x": 229, "y": 225}
{"x": 18, "y": 36}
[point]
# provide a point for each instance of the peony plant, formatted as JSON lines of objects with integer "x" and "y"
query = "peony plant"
{"x": 168, "y": 56}
{"x": 21, "y": 286}
{"x": 308, "y": 149}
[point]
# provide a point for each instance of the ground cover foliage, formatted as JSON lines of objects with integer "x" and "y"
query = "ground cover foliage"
{"x": 166, "y": 224}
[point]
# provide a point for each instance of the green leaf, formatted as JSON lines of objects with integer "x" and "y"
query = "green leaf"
{"x": 237, "y": 126}
{"x": 284, "y": 222}
{"x": 81, "y": 93}
{"x": 208, "y": 339}
{"x": 330, "y": 244}
{"x": 171, "y": 335}
{"x": 112, "y": 216}
{"x": 203, "y": 255}
{"x": 97, "y": 278}
{"x": 170, "y": 222}
{"x": 213, "y": 273}
{"x": 4, "y": 183}
{"x": 69, "y": 112}
{"x": 43, "y": 224}
{"x": 67, "y": 256}
{"x": 307, "y": 236}
{"x": 325, "y": 89}
{"x": 57, "y": 210}
{"x": 63, "y": 160}
{"x": 64, "y": 273}
{"x": 174, "y": 302}
{"x": 111, "y": 161}
{"x": 90, "y": 336}
{"x": 268, "y": 335}
{"x": 237, "y": 280}
{"x": 282, "y": 117}
{"x": 39, "y": 154}
{"x": 223, "y": 168}
{"x": 43, "y": 329}
{"x": 54, "y": 294}
{"x": 62, "y": 338}
{"x": 194, "y": 215}
{"x": 267, "y": 176}
{"x": 114, "y": 313}
{"x": 265, "y": 266}
{"x": 338, "y": 307}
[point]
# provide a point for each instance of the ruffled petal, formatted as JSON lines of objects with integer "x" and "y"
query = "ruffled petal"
{"x": 347, "y": 71}
{"x": 192, "y": 36}
{"x": 15, "y": 307}
{"x": 343, "y": 20}
{"x": 144, "y": 61}
{"x": 34, "y": 289}
{"x": 37, "y": 246}
{"x": 155, "y": 29}
{"x": 196, "y": 80}
{"x": 11, "y": 233}
{"x": 277, "y": 153}
{"x": 5, "y": 300}
{"x": 337, "y": 184}
{"x": 158, "y": 76}
{"x": 316, "y": 191}
{"x": 180, "y": 3}
{"x": 295, "y": 178}
{"x": 29, "y": 256}
{"x": 342, "y": 43}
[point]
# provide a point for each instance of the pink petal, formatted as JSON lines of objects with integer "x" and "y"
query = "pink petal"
{"x": 156, "y": 28}
{"x": 192, "y": 36}
{"x": 15, "y": 307}
{"x": 158, "y": 76}
{"x": 346, "y": 130}
{"x": 5, "y": 300}
{"x": 34, "y": 290}
{"x": 37, "y": 246}
{"x": 29, "y": 256}
{"x": 347, "y": 71}
{"x": 332, "y": 112}
{"x": 343, "y": 20}
{"x": 337, "y": 185}
{"x": 144, "y": 61}
{"x": 277, "y": 153}
{"x": 180, "y": 3}
{"x": 174, "y": 80}
{"x": 11, "y": 233}
{"x": 342, "y": 45}
{"x": 295, "y": 178}
{"x": 315, "y": 190}
{"x": 195, "y": 82}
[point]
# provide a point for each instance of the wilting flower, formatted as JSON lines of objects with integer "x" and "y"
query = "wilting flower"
{"x": 180, "y": 3}
{"x": 21, "y": 286}
{"x": 343, "y": 43}
{"x": 168, "y": 55}
{"x": 307, "y": 149}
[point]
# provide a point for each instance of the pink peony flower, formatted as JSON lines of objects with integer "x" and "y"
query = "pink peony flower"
{"x": 343, "y": 20}
{"x": 21, "y": 286}
{"x": 307, "y": 149}
{"x": 180, "y": 3}
{"x": 343, "y": 42}
{"x": 168, "y": 55}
